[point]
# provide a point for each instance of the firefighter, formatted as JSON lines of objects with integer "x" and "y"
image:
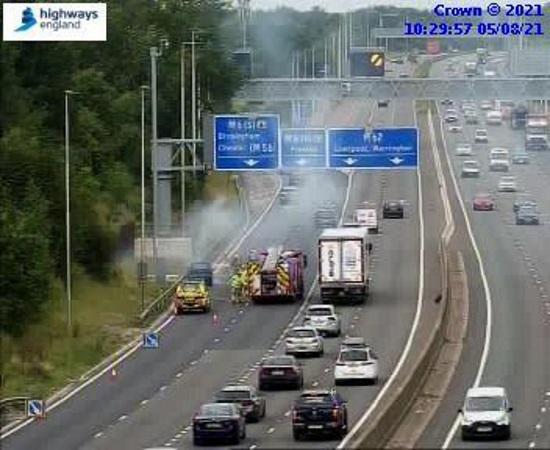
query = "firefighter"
{"x": 236, "y": 287}
{"x": 245, "y": 281}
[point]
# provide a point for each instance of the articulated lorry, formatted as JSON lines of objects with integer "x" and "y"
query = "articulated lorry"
{"x": 344, "y": 264}
{"x": 536, "y": 132}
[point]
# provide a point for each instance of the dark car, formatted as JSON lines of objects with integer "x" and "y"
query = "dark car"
{"x": 393, "y": 210}
{"x": 280, "y": 371}
{"x": 200, "y": 271}
{"x": 520, "y": 203}
{"x": 383, "y": 103}
{"x": 253, "y": 405}
{"x": 319, "y": 412}
{"x": 219, "y": 422}
{"x": 527, "y": 215}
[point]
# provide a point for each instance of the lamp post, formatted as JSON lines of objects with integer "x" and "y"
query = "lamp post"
{"x": 68, "y": 288}
{"x": 142, "y": 271}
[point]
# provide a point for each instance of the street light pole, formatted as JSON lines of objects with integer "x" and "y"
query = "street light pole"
{"x": 142, "y": 272}
{"x": 68, "y": 214}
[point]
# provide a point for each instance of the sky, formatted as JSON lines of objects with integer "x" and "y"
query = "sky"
{"x": 350, "y": 5}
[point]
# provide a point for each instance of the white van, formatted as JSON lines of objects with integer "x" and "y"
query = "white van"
{"x": 369, "y": 218}
{"x": 494, "y": 118}
{"x": 486, "y": 412}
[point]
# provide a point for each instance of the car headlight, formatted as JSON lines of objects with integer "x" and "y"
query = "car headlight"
{"x": 503, "y": 421}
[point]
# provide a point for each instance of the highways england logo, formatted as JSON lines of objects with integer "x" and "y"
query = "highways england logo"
{"x": 27, "y": 20}
{"x": 55, "y": 22}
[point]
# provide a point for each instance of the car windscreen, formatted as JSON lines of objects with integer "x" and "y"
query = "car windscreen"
{"x": 319, "y": 312}
{"x": 301, "y": 333}
{"x": 354, "y": 355}
{"x": 279, "y": 361}
{"x": 212, "y": 410}
{"x": 484, "y": 404}
{"x": 233, "y": 395}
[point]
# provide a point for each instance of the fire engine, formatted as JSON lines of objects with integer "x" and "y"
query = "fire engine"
{"x": 276, "y": 275}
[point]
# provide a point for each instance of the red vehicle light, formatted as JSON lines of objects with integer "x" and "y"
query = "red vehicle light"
{"x": 336, "y": 414}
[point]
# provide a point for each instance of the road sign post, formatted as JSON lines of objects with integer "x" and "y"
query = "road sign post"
{"x": 246, "y": 142}
{"x": 36, "y": 408}
{"x": 379, "y": 148}
{"x": 150, "y": 340}
{"x": 303, "y": 148}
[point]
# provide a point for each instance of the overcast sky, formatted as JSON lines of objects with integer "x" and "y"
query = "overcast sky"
{"x": 349, "y": 5}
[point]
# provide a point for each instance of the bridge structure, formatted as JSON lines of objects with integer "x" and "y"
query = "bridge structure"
{"x": 298, "y": 89}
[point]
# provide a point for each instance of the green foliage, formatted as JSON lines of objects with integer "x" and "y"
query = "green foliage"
{"x": 105, "y": 138}
{"x": 25, "y": 258}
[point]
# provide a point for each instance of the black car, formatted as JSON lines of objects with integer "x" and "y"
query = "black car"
{"x": 319, "y": 412}
{"x": 253, "y": 405}
{"x": 527, "y": 215}
{"x": 219, "y": 422}
{"x": 200, "y": 271}
{"x": 280, "y": 371}
{"x": 383, "y": 103}
{"x": 393, "y": 210}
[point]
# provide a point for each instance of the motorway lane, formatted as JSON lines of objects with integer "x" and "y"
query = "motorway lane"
{"x": 142, "y": 376}
{"x": 514, "y": 260}
{"x": 241, "y": 347}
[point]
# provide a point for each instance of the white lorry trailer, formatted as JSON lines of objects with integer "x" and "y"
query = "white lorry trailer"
{"x": 344, "y": 264}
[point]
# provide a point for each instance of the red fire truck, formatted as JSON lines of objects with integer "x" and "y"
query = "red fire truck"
{"x": 276, "y": 274}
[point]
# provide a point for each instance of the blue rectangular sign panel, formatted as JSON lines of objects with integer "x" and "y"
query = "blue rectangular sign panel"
{"x": 379, "y": 148}
{"x": 303, "y": 148}
{"x": 246, "y": 142}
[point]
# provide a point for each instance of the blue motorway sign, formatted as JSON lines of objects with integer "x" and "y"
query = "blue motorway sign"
{"x": 303, "y": 148}
{"x": 377, "y": 148}
{"x": 246, "y": 142}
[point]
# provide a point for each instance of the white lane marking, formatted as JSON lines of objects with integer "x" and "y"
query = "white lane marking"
{"x": 538, "y": 426}
{"x": 531, "y": 444}
{"x": 98, "y": 435}
{"x": 253, "y": 447}
{"x": 419, "y": 302}
{"x": 137, "y": 343}
{"x": 122, "y": 418}
{"x": 271, "y": 430}
{"x": 487, "y": 291}
{"x": 162, "y": 388}
{"x": 144, "y": 402}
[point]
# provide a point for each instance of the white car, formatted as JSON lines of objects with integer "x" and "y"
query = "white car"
{"x": 463, "y": 150}
{"x": 470, "y": 168}
{"x": 499, "y": 165}
{"x": 304, "y": 340}
{"x": 486, "y": 105}
{"x": 470, "y": 117}
{"x": 489, "y": 74}
{"x": 356, "y": 364}
{"x": 494, "y": 118}
{"x": 486, "y": 412}
{"x": 455, "y": 128}
{"x": 481, "y": 136}
{"x": 499, "y": 153}
{"x": 507, "y": 184}
{"x": 324, "y": 319}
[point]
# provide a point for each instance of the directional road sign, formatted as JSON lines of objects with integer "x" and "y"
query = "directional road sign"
{"x": 35, "y": 408}
{"x": 246, "y": 142}
{"x": 150, "y": 340}
{"x": 303, "y": 148}
{"x": 378, "y": 148}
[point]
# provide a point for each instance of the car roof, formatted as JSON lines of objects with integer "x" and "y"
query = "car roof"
{"x": 320, "y": 307}
{"x": 303, "y": 327}
{"x": 483, "y": 194}
{"x": 486, "y": 392}
{"x": 236, "y": 387}
{"x": 354, "y": 340}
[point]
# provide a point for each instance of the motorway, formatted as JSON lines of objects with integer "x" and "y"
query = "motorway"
{"x": 154, "y": 394}
{"x": 517, "y": 268}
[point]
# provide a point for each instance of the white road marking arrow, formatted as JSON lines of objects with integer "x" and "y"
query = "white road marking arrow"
{"x": 350, "y": 161}
{"x": 301, "y": 162}
{"x": 396, "y": 160}
{"x": 251, "y": 162}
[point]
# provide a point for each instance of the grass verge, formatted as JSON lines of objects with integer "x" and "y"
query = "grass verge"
{"x": 47, "y": 357}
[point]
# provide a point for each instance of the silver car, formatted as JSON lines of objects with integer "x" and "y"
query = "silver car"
{"x": 324, "y": 319}
{"x": 304, "y": 340}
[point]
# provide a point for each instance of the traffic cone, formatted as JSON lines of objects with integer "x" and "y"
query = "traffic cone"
{"x": 215, "y": 319}
{"x": 113, "y": 374}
